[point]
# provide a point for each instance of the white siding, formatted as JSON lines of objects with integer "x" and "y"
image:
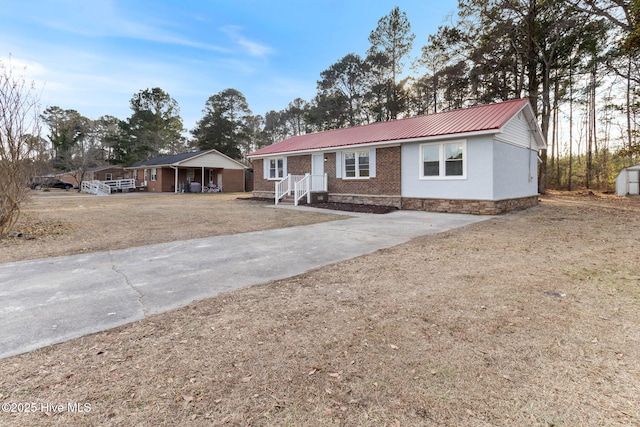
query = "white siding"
{"x": 211, "y": 160}
{"x": 495, "y": 171}
{"x": 478, "y": 184}
{"x": 517, "y": 132}
{"x": 628, "y": 181}
{"x": 515, "y": 171}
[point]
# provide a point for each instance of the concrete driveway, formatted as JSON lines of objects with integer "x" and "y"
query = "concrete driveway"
{"x": 52, "y": 300}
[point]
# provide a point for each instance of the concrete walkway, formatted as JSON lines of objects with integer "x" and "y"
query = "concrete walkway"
{"x": 52, "y": 300}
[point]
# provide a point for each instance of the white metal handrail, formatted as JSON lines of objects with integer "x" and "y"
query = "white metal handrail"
{"x": 282, "y": 188}
{"x": 285, "y": 186}
{"x": 302, "y": 188}
{"x": 300, "y": 185}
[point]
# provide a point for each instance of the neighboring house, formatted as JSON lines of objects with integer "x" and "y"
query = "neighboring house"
{"x": 628, "y": 181}
{"x": 175, "y": 173}
{"x": 101, "y": 173}
{"x": 480, "y": 160}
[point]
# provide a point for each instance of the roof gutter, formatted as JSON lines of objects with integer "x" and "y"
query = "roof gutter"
{"x": 147, "y": 166}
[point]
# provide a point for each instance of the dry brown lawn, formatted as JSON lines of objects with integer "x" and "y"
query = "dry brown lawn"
{"x": 526, "y": 319}
{"x": 61, "y": 222}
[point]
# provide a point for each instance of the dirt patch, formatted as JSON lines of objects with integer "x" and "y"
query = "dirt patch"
{"x": 530, "y": 318}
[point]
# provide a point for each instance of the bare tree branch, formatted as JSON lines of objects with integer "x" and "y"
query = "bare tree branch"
{"x": 19, "y": 121}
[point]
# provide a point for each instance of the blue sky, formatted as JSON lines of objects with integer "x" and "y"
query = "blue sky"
{"x": 93, "y": 56}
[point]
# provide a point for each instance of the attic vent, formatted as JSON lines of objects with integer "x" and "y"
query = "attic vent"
{"x": 520, "y": 115}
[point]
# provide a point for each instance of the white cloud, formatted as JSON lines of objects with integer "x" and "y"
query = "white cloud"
{"x": 30, "y": 69}
{"x": 103, "y": 18}
{"x": 248, "y": 46}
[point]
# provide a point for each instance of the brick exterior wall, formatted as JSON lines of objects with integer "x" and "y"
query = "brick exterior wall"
{"x": 156, "y": 186}
{"x": 265, "y": 188}
{"x": 232, "y": 180}
{"x": 261, "y": 185}
{"x": 384, "y": 189}
{"x": 298, "y": 165}
{"x": 386, "y": 182}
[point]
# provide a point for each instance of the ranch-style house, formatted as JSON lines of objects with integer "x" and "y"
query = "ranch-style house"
{"x": 480, "y": 160}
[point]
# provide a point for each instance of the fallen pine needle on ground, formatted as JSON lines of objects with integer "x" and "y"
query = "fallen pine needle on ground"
{"x": 529, "y": 318}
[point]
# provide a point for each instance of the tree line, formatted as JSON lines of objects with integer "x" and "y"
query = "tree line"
{"x": 576, "y": 60}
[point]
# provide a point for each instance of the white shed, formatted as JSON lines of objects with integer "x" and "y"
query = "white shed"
{"x": 628, "y": 181}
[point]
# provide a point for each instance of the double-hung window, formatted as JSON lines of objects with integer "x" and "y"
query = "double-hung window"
{"x": 276, "y": 168}
{"x": 444, "y": 160}
{"x": 154, "y": 174}
{"x": 356, "y": 164}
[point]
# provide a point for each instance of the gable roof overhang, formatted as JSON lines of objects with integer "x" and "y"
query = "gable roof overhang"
{"x": 178, "y": 160}
{"x": 465, "y": 122}
{"x": 534, "y": 126}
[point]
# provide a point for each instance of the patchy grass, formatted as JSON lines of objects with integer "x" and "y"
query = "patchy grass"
{"x": 64, "y": 223}
{"x": 530, "y": 318}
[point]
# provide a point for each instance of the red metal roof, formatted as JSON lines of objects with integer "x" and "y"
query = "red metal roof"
{"x": 466, "y": 120}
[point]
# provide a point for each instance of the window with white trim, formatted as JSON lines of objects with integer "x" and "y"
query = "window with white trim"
{"x": 154, "y": 174}
{"x": 443, "y": 160}
{"x": 108, "y": 176}
{"x": 276, "y": 168}
{"x": 356, "y": 164}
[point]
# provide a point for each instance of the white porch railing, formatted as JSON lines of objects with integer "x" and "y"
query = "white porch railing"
{"x": 282, "y": 188}
{"x": 95, "y": 187}
{"x": 121, "y": 184}
{"x": 302, "y": 188}
{"x": 285, "y": 186}
{"x": 103, "y": 188}
{"x": 300, "y": 185}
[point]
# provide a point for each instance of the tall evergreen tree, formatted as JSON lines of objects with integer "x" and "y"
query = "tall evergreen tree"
{"x": 225, "y": 124}
{"x": 344, "y": 83}
{"x": 392, "y": 38}
{"x": 154, "y": 128}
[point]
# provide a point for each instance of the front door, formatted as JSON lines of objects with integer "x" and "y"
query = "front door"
{"x": 317, "y": 172}
{"x": 317, "y": 164}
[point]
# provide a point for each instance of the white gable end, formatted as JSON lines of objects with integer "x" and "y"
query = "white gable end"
{"x": 517, "y": 132}
{"x": 211, "y": 160}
